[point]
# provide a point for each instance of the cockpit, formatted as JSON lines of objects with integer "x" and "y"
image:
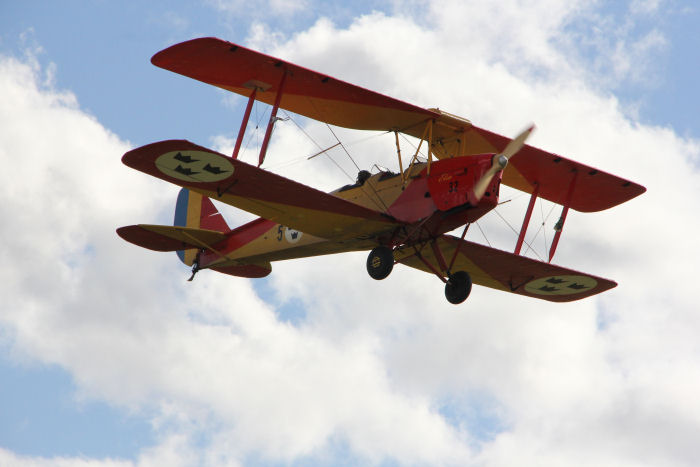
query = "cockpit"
{"x": 364, "y": 175}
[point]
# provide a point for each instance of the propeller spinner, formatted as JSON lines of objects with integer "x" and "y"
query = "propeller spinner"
{"x": 500, "y": 161}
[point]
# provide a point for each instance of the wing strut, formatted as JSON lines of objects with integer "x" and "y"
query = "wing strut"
{"x": 459, "y": 244}
{"x": 244, "y": 123}
{"x": 430, "y": 143}
{"x": 427, "y": 264}
{"x": 559, "y": 226}
{"x": 273, "y": 118}
{"x": 526, "y": 221}
{"x": 426, "y": 136}
{"x": 398, "y": 152}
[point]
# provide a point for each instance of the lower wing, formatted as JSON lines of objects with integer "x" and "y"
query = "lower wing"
{"x": 257, "y": 191}
{"x": 508, "y": 272}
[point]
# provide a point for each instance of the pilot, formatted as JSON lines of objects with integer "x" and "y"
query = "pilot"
{"x": 362, "y": 177}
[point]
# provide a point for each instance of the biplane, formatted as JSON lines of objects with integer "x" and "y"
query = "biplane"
{"x": 401, "y": 217}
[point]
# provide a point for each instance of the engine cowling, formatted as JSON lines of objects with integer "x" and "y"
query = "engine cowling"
{"x": 451, "y": 181}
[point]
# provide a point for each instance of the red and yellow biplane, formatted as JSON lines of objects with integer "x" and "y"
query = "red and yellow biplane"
{"x": 400, "y": 217}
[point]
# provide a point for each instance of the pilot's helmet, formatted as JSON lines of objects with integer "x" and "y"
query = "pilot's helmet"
{"x": 362, "y": 176}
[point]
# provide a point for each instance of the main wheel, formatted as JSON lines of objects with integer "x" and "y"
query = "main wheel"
{"x": 380, "y": 262}
{"x": 458, "y": 287}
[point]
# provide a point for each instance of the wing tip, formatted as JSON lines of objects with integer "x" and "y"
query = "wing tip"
{"x": 133, "y": 157}
{"x": 164, "y": 58}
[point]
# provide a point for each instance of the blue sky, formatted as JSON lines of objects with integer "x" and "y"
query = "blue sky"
{"x": 102, "y": 52}
{"x": 639, "y": 57}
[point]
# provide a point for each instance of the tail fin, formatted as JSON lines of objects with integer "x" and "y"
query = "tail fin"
{"x": 196, "y": 211}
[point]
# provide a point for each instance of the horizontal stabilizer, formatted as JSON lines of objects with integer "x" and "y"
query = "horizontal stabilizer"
{"x": 169, "y": 238}
{"x": 253, "y": 271}
{"x": 509, "y": 272}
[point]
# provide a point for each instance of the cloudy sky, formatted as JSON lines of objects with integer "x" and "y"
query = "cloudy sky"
{"x": 108, "y": 357}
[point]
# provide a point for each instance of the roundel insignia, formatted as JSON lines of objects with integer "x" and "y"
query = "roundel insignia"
{"x": 560, "y": 285}
{"x": 194, "y": 166}
{"x": 291, "y": 235}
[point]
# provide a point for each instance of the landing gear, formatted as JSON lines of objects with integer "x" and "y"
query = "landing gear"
{"x": 458, "y": 287}
{"x": 380, "y": 262}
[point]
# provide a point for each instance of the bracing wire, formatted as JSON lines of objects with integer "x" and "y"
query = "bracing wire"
{"x": 505, "y": 220}
{"x": 516, "y": 232}
{"x": 381, "y": 205}
{"x": 421, "y": 155}
{"x": 254, "y": 133}
{"x": 343, "y": 146}
{"x": 315, "y": 143}
{"x": 544, "y": 221}
{"x": 482, "y": 233}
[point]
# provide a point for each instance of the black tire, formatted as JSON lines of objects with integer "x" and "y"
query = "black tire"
{"x": 380, "y": 262}
{"x": 458, "y": 287}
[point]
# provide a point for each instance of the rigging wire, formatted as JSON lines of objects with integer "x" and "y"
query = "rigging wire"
{"x": 376, "y": 199}
{"x": 381, "y": 205}
{"x": 302, "y": 158}
{"x": 504, "y": 219}
{"x": 421, "y": 155}
{"x": 376, "y": 195}
{"x": 343, "y": 146}
{"x": 516, "y": 232}
{"x": 254, "y": 133}
{"x": 482, "y": 233}
{"x": 317, "y": 145}
{"x": 532, "y": 240}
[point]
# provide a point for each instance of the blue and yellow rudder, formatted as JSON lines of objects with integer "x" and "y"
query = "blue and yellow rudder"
{"x": 198, "y": 212}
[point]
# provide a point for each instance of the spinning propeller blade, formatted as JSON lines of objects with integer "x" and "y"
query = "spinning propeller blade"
{"x": 500, "y": 161}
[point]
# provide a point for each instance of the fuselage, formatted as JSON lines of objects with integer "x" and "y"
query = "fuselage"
{"x": 424, "y": 204}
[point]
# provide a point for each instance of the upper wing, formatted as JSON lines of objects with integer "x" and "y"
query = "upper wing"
{"x": 593, "y": 190}
{"x": 314, "y": 95}
{"x": 256, "y": 190}
{"x": 506, "y": 271}
{"x": 318, "y": 96}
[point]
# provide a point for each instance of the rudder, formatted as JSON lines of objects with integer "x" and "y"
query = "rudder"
{"x": 196, "y": 211}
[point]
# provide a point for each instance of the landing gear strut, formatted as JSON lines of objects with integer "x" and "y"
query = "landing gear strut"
{"x": 458, "y": 287}
{"x": 380, "y": 262}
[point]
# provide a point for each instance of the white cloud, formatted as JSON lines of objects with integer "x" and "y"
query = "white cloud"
{"x": 606, "y": 381}
{"x": 207, "y": 358}
{"x": 543, "y": 366}
{"x": 645, "y": 7}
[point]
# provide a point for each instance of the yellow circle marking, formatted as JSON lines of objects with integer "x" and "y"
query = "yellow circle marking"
{"x": 561, "y": 285}
{"x": 194, "y": 166}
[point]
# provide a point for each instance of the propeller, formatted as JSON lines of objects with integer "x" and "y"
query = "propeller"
{"x": 500, "y": 161}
